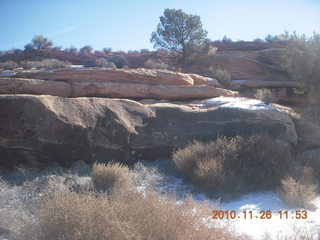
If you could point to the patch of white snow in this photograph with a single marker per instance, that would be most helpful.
(7, 73)
(238, 102)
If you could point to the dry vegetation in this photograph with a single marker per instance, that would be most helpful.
(299, 188)
(234, 165)
(296, 193)
(126, 214)
(119, 215)
(109, 176)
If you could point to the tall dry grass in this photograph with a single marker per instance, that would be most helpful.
(299, 188)
(125, 214)
(109, 176)
(234, 165)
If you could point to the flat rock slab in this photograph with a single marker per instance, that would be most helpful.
(40, 129)
(109, 89)
(34, 86)
(127, 90)
(142, 76)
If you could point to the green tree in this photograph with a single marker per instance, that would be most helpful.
(179, 32)
(86, 49)
(302, 61)
(39, 42)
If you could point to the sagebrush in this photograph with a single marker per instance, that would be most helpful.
(234, 165)
(109, 176)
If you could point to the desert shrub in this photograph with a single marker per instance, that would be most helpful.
(234, 165)
(212, 51)
(119, 61)
(258, 40)
(297, 193)
(266, 95)
(223, 76)
(107, 50)
(264, 161)
(31, 64)
(152, 64)
(41, 42)
(89, 63)
(44, 64)
(54, 63)
(101, 62)
(302, 59)
(144, 50)
(123, 215)
(109, 176)
(71, 49)
(226, 39)
(9, 65)
(315, 165)
(86, 49)
(204, 163)
(283, 38)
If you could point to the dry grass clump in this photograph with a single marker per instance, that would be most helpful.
(49, 64)
(125, 214)
(110, 175)
(223, 76)
(232, 165)
(153, 64)
(8, 65)
(298, 189)
(206, 164)
(315, 165)
(296, 193)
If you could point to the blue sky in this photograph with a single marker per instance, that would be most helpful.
(127, 24)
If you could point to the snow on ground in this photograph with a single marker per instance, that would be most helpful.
(238, 102)
(256, 228)
(161, 176)
(75, 66)
(274, 227)
(7, 73)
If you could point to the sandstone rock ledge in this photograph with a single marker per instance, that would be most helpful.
(111, 83)
(40, 129)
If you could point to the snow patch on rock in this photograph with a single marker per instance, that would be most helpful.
(237, 102)
(7, 73)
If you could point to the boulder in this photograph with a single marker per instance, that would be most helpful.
(142, 76)
(40, 129)
(200, 80)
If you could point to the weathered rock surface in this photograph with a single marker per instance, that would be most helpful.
(109, 89)
(41, 129)
(34, 86)
(169, 92)
(142, 76)
(200, 80)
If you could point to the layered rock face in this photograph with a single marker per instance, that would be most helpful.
(41, 129)
(142, 76)
(97, 82)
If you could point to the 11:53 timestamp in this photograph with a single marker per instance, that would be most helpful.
(296, 214)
